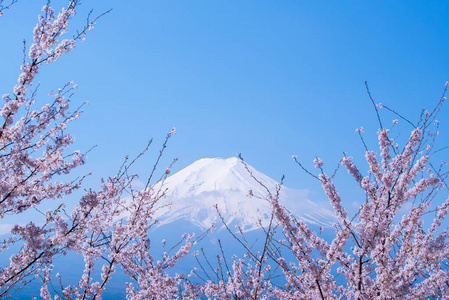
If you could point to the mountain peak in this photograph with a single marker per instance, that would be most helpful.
(197, 191)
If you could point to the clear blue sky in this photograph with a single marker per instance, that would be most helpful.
(268, 79)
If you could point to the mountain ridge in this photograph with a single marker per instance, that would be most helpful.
(196, 192)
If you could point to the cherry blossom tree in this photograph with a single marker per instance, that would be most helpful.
(382, 252)
(34, 148)
(108, 227)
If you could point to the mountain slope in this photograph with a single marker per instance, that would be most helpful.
(195, 193)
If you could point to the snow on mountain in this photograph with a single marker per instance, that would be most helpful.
(193, 193)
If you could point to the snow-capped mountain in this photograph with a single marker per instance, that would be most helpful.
(195, 193)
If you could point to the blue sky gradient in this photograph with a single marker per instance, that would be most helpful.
(268, 79)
